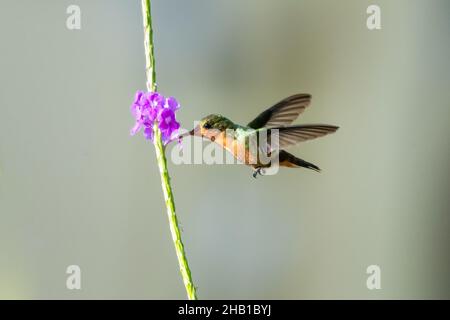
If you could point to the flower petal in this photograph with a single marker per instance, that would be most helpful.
(156, 100)
(136, 128)
(137, 96)
(165, 118)
(135, 111)
(148, 133)
(172, 104)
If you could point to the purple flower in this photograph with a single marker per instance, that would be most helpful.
(167, 123)
(144, 110)
(150, 107)
(136, 106)
(156, 100)
(172, 104)
(148, 133)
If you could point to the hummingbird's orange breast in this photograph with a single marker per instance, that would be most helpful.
(236, 148)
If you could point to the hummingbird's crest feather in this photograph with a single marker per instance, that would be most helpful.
(282, 113)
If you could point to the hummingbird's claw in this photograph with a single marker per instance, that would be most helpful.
(257, 171)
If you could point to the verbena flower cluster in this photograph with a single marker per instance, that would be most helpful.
(149, 108)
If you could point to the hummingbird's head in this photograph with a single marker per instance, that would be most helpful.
(211, 126)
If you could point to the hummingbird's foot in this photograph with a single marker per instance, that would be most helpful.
(257, 171)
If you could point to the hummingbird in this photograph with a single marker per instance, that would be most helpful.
(276, 119)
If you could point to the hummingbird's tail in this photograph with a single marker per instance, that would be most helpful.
(289, 160)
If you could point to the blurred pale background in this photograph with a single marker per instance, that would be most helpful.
(75, 188)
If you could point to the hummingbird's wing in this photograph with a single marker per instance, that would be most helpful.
(289, 136)
(282, 113)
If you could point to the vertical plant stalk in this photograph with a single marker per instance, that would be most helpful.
(161, 157)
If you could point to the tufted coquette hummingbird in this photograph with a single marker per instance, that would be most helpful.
(277, 121)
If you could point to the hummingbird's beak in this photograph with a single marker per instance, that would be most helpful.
(187, 133)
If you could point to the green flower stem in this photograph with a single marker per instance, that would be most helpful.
(161, 158)
(173, 221)
(148, 44)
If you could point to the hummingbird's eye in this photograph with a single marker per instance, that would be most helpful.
(207, 125)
